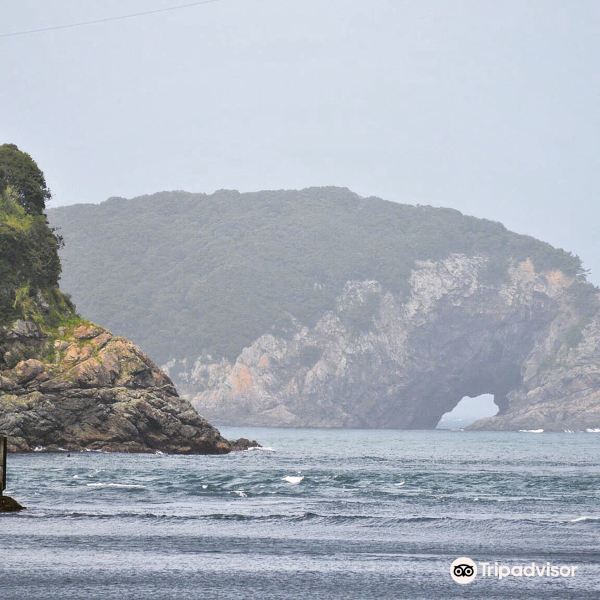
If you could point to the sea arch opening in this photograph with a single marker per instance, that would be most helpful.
(468, 410)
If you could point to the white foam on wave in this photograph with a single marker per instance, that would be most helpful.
(240, 493)
(259, 449)
(293, 479)
(400, 483)
(593, 430)
(531, 431)
(580, 519)
(39, 448)
(130, 486)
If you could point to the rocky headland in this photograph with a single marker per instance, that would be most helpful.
(378, 361)
(87, 389)
(66, 383)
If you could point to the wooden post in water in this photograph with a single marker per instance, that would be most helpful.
(3, 449)
(6, 504)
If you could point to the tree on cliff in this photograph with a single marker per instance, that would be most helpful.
(29, 261)
(20, 172)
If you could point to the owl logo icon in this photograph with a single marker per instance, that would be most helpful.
(463, 570)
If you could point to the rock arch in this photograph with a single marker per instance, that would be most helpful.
(456, 333)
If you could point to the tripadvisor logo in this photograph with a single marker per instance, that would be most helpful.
(463, 570)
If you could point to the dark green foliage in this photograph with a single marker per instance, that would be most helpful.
(29, 261)
(20, 172)
(186, 273)
(584, 298)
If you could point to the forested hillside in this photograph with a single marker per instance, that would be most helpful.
(29, 262)
(189, 274)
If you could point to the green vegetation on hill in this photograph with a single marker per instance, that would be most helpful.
(20, 172)
(29, 261)
(184, 274)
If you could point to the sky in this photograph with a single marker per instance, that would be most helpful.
(469, 410)
(489, 107)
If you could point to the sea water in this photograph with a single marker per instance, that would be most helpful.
(332, 514)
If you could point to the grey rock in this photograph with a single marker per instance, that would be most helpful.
(242, 444)
(23, 329)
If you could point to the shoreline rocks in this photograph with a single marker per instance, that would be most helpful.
(9, 505)
(243, 444)
(86, 389)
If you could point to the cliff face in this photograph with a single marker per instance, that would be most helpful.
(377, 361)
(86, 389)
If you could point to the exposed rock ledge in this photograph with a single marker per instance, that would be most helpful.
(87, 389)
(9, 505)
(532, 339)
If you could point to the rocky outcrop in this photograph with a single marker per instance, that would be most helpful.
(531, 338)
(560, 385)
(9, 505)
(83, 388)
(66, 383)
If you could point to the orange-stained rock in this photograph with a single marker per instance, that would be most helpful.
(91, 373)
(26, 370)
(241, 379)
(77, 353)
(99, 392)
(87, 332)
(102, 339)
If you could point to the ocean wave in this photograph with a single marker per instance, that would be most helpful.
(293, 479)
(531, 431)
(124, 486)
(378, 521)
(260, 449)
(232, 516)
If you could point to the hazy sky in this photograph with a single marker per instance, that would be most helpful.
(489, 107)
